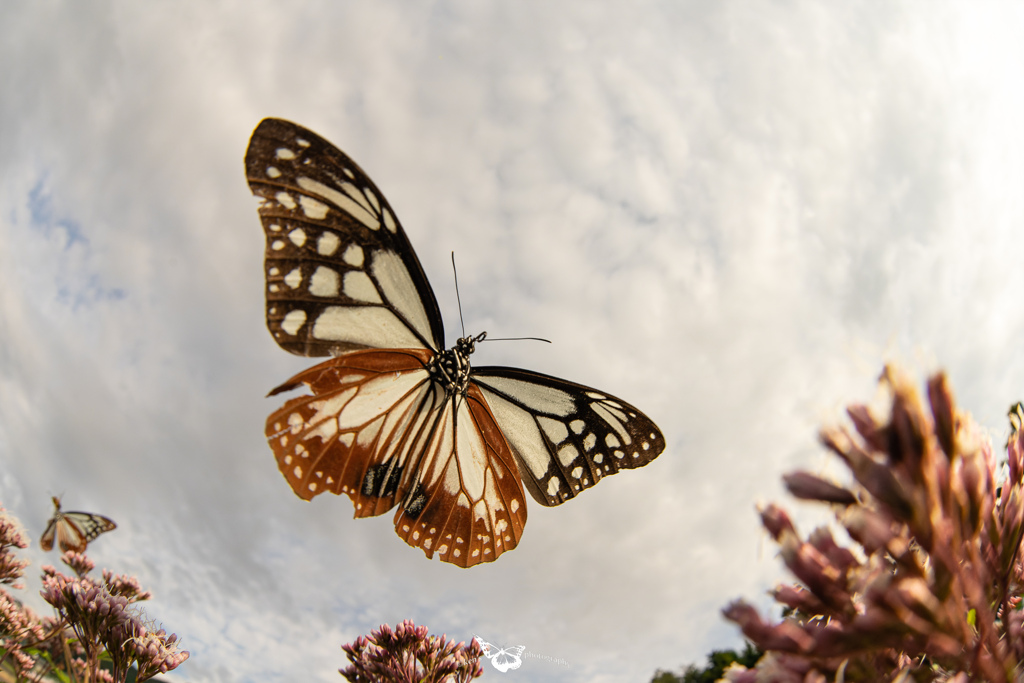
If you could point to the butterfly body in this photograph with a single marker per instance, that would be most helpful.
(394, 418)
(73, 530)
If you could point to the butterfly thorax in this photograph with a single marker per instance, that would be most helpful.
(451, 368)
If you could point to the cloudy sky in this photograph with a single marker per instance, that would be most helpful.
(730, 214)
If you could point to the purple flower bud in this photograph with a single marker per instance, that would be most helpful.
(811, 487)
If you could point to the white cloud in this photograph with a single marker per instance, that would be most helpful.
(730, 214)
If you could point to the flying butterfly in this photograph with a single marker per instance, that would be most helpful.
(73, 530)
(394, 419)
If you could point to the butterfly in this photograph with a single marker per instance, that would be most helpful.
(73, 530)
(394, 419)
(502, 659)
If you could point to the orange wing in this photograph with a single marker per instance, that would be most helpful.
(378, 429)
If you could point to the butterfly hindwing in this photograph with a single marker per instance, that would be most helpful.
(566, 436)
(365, 451)
(467, 503)
(378, 430)
(340, 272)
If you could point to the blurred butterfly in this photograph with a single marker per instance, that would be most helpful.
(394, 419)
(73, 530)
(502, 659)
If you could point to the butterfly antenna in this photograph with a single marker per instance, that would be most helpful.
(457, 298)
(516, 339)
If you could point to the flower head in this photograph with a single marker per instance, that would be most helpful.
(408, 654)
(933, 591)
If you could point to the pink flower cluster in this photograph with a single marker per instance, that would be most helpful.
(103, 617)
(932, 592)
(409, 655)
(11, 568)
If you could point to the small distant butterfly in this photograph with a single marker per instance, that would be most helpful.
(393, 418)
(73, 530)
(502, 659)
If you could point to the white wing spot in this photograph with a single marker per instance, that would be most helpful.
(273, 288)
(274, 228)
(415, 535)
(294, 278)
(427, 543)
(277, 245)
(618, 454)
(293, 321)
(553, 484)
(433, 531)
(577, 472)
(389, 221)
(353, 256)
(327, 244)
(287, 460)
(297, 236)
(312, 486)
(350, 174)
(274, 271)
(297, 472)
(359, 286)
(567, 453)
(514, 505)
(596, 395)
(302, 142)
(598, 457)
(312, 208)
(646, 446)
(272, 172)
(442, 549)
(285, 153)
(612, 441)
(555, 430)
(653, 436)
(325, 282)
(373, 200)
(343, 201)
(285, 200)
(589, 441)
(476, 552)
(456, 552)
(577, 426)
(405, 527)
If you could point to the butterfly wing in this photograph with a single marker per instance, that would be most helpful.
(565, 436)
(82, 528)
(379, 430)
(46, 541)
(340, 272)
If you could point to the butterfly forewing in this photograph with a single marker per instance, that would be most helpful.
(566, 437)
(340, 272)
